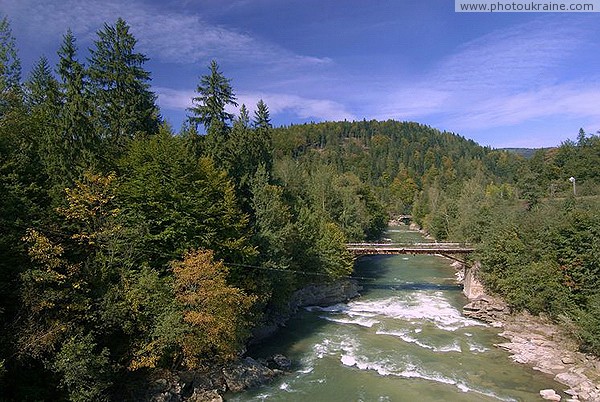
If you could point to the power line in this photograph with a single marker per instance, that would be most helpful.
(175, 255)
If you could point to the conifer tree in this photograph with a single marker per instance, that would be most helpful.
(120, 87)
(10, 68)
(75, 124)
(42, 99)
(262, 126)
(262, 119)
(41, 89)
(214, 94)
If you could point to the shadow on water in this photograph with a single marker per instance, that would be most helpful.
(286, 339)
(411, 286)
(372, 266)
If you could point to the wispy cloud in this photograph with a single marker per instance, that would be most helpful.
(501, 79)
(575, 100)
(511, 59)
(304, 108)
(168, 36)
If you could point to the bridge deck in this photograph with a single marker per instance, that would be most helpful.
(409, 248)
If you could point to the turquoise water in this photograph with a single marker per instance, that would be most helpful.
(404, 339)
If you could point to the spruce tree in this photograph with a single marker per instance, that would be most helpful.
(262, 126)
(41, 88)
(262, 119)
(214, 94)
(120, 87)
(75, 125)
(10, 69)
(42, 99)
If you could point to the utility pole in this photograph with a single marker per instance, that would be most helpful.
(572, 180)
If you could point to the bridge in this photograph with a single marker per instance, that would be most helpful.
(445, 249)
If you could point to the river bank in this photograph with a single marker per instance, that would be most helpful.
(211, 383)
(539, 343)
(534, 341)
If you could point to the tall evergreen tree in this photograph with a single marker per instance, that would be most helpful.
(42, 99)
(262, 126)
(41, 88)
(120, 87)
(214, 94)
(75, 123)
(262, 117)
(10, 68)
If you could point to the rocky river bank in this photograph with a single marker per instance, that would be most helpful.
(537, 342)
(211, 383)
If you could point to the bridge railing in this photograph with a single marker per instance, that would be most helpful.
(425, 245)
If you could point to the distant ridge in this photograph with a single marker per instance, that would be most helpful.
(524, 152)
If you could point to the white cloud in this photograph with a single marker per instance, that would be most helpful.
(168, 36)
(574, 100)
(302, 107)
(522, 56)
(174, 99)
(503, 79)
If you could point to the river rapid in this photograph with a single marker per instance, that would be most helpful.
(403, 339)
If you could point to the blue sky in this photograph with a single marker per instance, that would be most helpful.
(504, 79)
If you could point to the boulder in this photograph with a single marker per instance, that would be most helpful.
(247, 373)
(487, 309)
(549, 395)
(205, 396)
(279, 362)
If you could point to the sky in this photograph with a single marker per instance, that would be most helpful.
(502, 79)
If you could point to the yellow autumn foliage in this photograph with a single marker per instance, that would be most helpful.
(216, 314)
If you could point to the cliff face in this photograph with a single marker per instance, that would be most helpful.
(323, 295)
(473, 288)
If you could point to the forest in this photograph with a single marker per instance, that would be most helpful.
(128, 247)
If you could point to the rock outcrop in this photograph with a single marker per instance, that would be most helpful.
(488, 309)
(210, 385)
(325, 294)
(247, 373)
(536, 342)
(472, 286)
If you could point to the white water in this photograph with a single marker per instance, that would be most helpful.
(405, 339)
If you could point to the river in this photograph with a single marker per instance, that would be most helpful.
(404, 339)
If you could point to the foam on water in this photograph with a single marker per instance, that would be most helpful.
(306, 370)
(363, 322)
(412, 371)
(415, 307)
(406, 337)
(336, 308)
(350, 354)
(473, 347)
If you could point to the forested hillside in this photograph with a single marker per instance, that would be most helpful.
(127, 247)
(538, 232)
